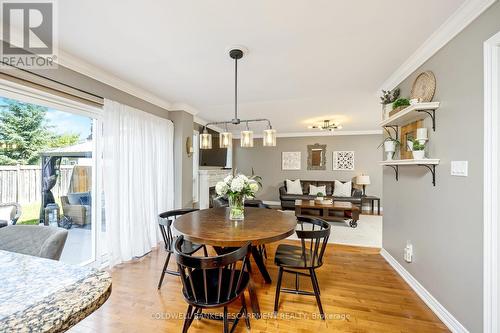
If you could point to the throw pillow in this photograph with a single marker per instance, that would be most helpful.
(342, 189)
(7, 213)
(314, 190)
(293, 187)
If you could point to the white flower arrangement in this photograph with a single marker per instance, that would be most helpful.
(238, 185)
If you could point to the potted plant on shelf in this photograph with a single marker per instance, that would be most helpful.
(388, 97)
(399, 104)
(236, 189)
(390, 145)
(418, 150)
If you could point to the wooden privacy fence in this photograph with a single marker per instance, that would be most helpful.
(22, 183)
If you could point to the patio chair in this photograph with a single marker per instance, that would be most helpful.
(9, 213)
(34, 240)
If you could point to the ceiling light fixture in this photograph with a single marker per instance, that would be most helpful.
(246, 139)
(327, 126)
(205, 139)
(225, 139)
(269, 139)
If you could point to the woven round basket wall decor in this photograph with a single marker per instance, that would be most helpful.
(424, 87)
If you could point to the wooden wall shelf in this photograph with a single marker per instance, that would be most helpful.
(429, 163)
(413, 113)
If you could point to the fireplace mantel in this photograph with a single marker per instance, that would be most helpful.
(209, 176)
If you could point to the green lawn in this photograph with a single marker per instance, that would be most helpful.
(31, 212)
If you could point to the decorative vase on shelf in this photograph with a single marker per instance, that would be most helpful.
(387, 108)
(236, 189)
(418, 154)
(390, 148)
(237, 207)
(409, 144)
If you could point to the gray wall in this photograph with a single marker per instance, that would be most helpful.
(183, 164)
(88, 84)
(266, 161)
(444, 223)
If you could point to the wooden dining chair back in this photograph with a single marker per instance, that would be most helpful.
(313, 234)
(313, 240)
(165, 221)
(210, 282)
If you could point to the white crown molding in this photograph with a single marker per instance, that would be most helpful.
(312, 134)
(446, 317)
(460, 19)
(184, 107)
(98, 74)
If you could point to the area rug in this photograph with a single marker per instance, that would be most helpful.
(368, 232)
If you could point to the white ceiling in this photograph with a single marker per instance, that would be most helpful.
(308, 59)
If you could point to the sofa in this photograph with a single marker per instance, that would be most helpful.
(288, 200)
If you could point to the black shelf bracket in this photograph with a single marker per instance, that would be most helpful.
(432, 114)
(396, 170)
(395, 128)
(432, 169)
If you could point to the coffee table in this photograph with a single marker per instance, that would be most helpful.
(328, 212)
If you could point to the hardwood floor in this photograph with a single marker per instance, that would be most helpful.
(359, 290)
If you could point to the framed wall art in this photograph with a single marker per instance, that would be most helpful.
(343, 160)
(290, 160)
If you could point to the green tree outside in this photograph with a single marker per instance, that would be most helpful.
(25, 132)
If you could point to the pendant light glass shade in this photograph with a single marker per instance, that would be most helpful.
(269, 138)
(205, 141)
(246, 139)
(225, 139)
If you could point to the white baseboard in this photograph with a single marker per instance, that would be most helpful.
(447, 318)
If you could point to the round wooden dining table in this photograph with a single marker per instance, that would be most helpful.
(260, 226)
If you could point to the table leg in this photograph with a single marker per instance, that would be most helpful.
(260, 264)
(378, 206)
(373, 204)
(254, 301)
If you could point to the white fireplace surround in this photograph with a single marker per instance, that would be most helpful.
(208, 177)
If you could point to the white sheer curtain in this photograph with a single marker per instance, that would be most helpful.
(137, 178)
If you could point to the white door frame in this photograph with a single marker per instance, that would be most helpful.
(491, 188)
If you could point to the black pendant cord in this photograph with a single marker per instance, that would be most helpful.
(236, 89)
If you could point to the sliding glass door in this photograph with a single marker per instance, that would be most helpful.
(49, 166)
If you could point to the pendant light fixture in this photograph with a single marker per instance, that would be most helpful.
(269, 138)
(205, 139)
(246, 140)
(225, 139)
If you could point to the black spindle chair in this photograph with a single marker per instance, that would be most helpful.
(165, 222)
(309, 256)
(211, 282)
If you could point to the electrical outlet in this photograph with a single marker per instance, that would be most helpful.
(460, 168)
(408, 252)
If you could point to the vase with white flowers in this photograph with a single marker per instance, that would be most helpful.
(236, 189)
